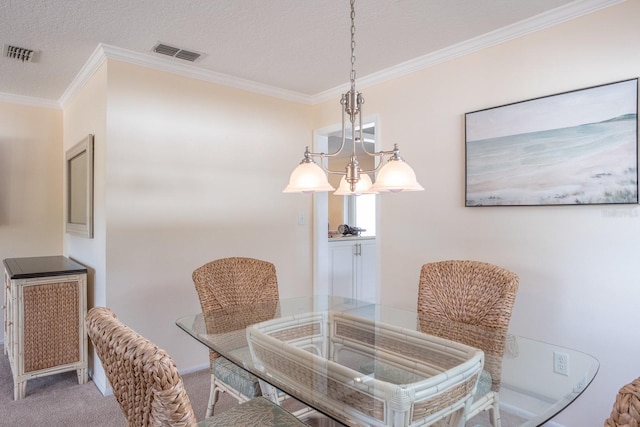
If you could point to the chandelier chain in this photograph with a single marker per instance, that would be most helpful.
(353, 44)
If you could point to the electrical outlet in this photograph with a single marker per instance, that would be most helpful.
(560, 363)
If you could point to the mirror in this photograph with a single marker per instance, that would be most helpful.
(355, 211)
(79, 188)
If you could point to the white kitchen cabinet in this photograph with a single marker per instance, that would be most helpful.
(353, 268)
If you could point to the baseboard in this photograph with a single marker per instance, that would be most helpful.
(105, 389)
(194, 369)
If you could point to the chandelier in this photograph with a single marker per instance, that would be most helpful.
(394, 175)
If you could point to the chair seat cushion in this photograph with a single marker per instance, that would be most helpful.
(256, 412)
(484, 385)
(235, 377)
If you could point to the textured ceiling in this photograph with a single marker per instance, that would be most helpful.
(297, 45)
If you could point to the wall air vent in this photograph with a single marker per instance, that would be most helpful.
(176, 52)
(19, 53)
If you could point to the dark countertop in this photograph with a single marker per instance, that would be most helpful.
(25, 268)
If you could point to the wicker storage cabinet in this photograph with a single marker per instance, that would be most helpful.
(45, 305)
(368, 373)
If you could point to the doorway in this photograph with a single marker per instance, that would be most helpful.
(330, 211)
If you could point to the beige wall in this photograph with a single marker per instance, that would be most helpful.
(31, 159)
(30, 180)
(188, 171)
(195, 171)
(578, 265)
(185, 172)
(86, 114)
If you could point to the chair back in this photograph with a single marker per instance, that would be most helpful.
(145, 380)
(469, 302)
(226, 283)
(235, 281)
(626, 408)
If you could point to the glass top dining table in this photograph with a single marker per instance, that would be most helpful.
(318, 360)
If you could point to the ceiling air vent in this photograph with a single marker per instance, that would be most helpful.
(19, 53)
(176, 52)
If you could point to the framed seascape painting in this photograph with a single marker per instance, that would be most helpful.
(573, 148)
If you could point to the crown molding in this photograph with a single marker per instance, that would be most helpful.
(94, 62)
(544, 20)
(104, 52)
(191, 71)
(29, 101)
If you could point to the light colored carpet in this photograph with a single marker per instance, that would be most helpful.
(59, 401)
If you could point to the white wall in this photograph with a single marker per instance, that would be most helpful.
(578, 265)
(31, 159)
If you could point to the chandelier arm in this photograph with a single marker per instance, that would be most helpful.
(332, 171)
(375, 153)
(371, 153)
(342, 144)
(322, 165)
(377, 168)
(380, 154)
(394, 155)
(384, 153)
(353, 140)
(323, 155)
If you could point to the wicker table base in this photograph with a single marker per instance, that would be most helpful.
(366, 372)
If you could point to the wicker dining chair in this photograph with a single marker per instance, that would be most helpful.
(221, 285)
(626, 408)
(149, 389)
(470, 302)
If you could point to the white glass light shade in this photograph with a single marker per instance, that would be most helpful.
(308, 178)
(396, 176)
(362, 187)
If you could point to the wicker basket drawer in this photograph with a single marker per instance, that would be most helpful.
(51, 330)
(44, 321)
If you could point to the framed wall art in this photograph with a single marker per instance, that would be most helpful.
(572, 148)
(79, 186)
